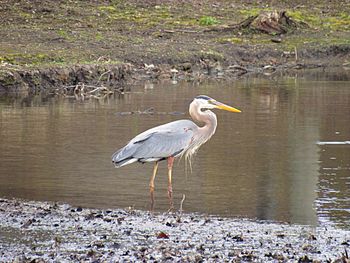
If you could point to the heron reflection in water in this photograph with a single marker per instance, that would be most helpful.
(171, 140)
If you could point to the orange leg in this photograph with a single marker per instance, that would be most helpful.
(151, 185)
(170, 186)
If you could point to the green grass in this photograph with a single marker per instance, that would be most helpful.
(108, 9)
(208, 21)
(340, 22)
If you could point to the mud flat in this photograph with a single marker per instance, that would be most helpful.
(44, 231)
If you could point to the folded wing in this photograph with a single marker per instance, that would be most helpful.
(157, 143)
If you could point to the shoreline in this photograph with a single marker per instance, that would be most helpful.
(48, 231)
(115, 77)
(45, 45)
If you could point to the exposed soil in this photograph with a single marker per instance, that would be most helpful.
(47, 232)
(42, 36)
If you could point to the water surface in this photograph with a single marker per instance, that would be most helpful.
(284, 158)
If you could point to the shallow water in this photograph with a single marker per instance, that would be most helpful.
(284, 158)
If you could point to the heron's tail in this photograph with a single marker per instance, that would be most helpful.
(119, 159)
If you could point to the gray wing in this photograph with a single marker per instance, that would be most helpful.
(157, 143)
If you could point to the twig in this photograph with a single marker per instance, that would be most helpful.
(107, 59)
(82, 88)
(238, 67)
(100, 89)
(83, 92)
(76, 89)
(245, 23)
(108, 71)
(181, 204)
(180, 31)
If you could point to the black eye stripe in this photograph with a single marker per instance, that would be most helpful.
(203, 97)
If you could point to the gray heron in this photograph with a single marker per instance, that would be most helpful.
(171, 140)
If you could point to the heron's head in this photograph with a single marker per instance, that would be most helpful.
(204, 102)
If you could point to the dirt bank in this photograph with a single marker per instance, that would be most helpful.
(42, 231)
(14, 79)
(45, 43)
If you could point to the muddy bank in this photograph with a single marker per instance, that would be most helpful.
(14, 79)
(115, 76)
(46, 44)
(43, 231)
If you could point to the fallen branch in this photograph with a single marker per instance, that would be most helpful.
(82, 92)
(238, 67)
(244, 24)
(180, 31)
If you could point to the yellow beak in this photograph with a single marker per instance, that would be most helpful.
(223, 106)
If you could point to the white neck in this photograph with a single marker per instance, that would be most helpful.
(207, 117)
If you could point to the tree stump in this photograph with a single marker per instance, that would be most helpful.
(274, 22)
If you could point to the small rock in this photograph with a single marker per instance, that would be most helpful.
(238, 238)
(186, 66)
(276, 40)
(162, 235)
(281, 235)
(304, 259)
(90, 253)
(115, 245)
(28, 223)
(108, 220)
(90, 216)
(170, 224)
(312, 237)
(98, 216)
(98, 244)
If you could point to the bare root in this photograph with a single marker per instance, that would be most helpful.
(83, 92)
